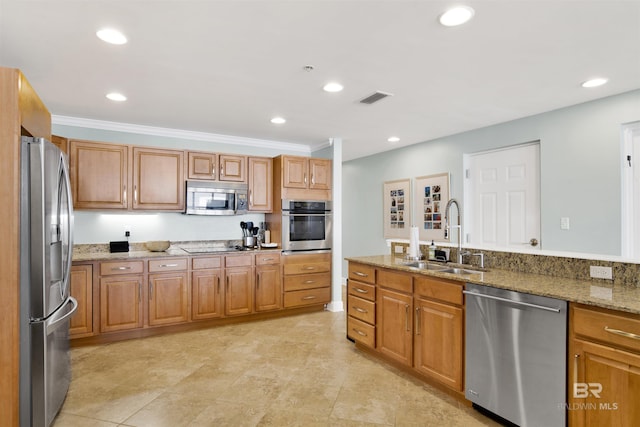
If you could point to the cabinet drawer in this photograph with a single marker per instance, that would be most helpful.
(361, 290)
(311, 267)
(394, 280)
(307, 297)
(439, 289)
(121, 267)
(362, 273)
(362, 309)
(611, 327)
(238, 261)
(206, 263)
(167, 264)
(307, 281)
(361, 332)
(267, 258)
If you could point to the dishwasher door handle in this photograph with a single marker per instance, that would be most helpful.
(541, 307)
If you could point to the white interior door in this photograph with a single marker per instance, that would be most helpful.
(502, 198)
(630, 190)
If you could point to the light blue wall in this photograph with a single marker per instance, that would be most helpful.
(105, 226)
(580, 175)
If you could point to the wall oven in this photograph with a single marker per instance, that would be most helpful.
(306, 225)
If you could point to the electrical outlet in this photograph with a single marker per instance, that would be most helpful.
(598, 272)
(564, 223)
(127, 230)
(399, 249)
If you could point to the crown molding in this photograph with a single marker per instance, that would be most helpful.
(179, 133)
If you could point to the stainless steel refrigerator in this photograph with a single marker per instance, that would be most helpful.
(46, 241)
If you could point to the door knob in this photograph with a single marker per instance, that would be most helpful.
(533, 242)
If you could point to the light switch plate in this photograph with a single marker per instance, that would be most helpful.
(564, 223)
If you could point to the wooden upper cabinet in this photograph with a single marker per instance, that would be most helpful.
(304, 172)
(202, 165)
(158, 179)
(260, 184)
(233, 168)
(295, 171)
(320, 170)
(61, 142)
(99, 175)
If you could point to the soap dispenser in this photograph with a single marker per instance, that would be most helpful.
(432, 250)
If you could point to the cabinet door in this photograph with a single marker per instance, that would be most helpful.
(604, 386)
(260, 184)
(238, 291)
(158, 179)
(294, 170)
(394, 314)
(206, 299)
(268, 288)
(233, 168)
(120, 303)
(438, 342)
(168, 298)
(320, 170)
(99, 174)
(82, 291)
(202, 165)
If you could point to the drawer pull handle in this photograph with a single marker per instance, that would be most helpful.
(268, 259)
(168, 265)
(359, 332)
(360, 310)
(120, 268)
(357, 273)
(308, 267)
(308, 282)
(622, 333)
(362, 291)
(309, 297)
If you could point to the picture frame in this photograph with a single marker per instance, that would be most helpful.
(397, 208)
(431, 194)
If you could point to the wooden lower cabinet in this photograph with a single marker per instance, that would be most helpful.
(81, 323)
(604, 367)
(307, 279)
(120, 303)
(206, 294)
(438, 351)
(268, 292)
(168, 298)
(238, 291)
(394, 325)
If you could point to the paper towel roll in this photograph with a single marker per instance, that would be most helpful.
(414, 243)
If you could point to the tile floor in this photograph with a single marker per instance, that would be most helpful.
(294, 371)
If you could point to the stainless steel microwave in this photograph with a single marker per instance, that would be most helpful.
(216, 198)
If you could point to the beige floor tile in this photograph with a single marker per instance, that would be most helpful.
(293, 371)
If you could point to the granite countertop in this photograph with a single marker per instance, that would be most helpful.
(100, 252)
(598, 293)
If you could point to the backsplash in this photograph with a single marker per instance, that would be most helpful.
(624, 274)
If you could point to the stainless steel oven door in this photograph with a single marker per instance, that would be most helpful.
(306, 231)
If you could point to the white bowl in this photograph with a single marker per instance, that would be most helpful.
(157, 245)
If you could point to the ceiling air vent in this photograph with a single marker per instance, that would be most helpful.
(375, 97)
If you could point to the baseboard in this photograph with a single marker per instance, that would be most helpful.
(335, 306)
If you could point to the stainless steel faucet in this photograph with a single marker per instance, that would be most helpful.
(447, 227)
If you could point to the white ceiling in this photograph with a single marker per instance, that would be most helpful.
(227, 67)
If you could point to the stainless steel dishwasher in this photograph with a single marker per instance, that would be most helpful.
(516, 355)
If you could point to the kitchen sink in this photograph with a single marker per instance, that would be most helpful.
(423, 265)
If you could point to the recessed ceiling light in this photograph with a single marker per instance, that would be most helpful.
(456, 16)
(114, 96)
(112, 36)
(278, 120)
(393, 139)
(333, 87)
(595, 82)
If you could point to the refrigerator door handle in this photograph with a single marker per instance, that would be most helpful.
(67, 188)
(54, 321)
